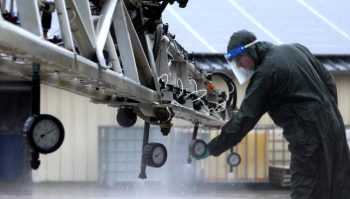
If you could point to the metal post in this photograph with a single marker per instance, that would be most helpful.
(2, 6)
(142, 174)
(36, 89)
(64, 24)
(28, 11)
(194, 137)
(35, 106)
(195, 131)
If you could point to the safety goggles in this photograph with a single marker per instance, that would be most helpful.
(238, 51)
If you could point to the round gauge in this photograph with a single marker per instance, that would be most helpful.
(154, 155)
(45, 133)
(197, 148)
(234, 159)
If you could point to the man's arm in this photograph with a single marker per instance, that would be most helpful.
(256, 102)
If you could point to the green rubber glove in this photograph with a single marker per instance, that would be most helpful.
(205, 155)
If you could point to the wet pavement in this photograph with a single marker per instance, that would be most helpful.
(140, 191)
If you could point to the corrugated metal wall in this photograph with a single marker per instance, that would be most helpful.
(76, 160)
(343, 88)
(254, 153)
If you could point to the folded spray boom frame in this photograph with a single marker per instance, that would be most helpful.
(118, 53)
(115, 52)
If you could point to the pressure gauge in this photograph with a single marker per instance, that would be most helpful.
(154, 155)
(45, 133)
(197, 148)
(234, 159)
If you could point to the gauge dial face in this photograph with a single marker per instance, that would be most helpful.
(158, 155)
(234, 159)
(199, 148)
(154, 155)
(46, 134)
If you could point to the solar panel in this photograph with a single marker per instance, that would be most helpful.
(206, 24)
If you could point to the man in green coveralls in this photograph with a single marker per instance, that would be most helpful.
(300, 96)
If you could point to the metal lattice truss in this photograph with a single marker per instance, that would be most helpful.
(103, 55)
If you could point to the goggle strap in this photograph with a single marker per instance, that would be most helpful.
(233, 53)
(250, 44)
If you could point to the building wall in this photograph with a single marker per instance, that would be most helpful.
(77, 159)
(343, 89)
(254, 153)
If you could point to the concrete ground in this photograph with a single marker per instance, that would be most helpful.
(140, 191)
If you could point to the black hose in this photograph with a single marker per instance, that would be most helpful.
(232, 100)
(154, 17)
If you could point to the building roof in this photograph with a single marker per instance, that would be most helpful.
(205, 26)
(336, 64)
(216, 62)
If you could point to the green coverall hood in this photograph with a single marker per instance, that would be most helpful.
(243, 37)
(239, 38)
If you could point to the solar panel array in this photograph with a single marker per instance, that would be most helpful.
(205, 26)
